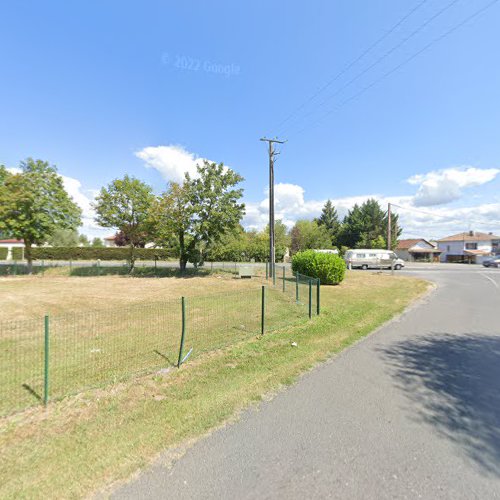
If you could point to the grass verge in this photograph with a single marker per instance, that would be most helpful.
(86, 442)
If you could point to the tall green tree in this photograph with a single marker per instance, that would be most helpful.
(330, 219)
(64, 238)
(365, 226)
(309, 235)
(97, 243)
(83, 240)
(34, 205)
(124, 205)
(198, 212)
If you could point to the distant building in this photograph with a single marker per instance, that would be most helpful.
(417, 250)
(472, 247)
(10, 244)
(109, 241)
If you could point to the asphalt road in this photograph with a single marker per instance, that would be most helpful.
(412, 411)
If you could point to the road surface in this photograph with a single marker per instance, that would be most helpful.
(413, 411)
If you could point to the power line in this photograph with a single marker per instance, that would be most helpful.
(384, 56)
(351, 64)
(399, 66)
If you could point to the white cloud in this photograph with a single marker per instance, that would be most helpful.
(171, 161)
(443, 186)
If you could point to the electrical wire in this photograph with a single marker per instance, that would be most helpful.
(351, 64)
(399, 66)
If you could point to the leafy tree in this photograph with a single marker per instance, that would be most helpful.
(124, 204)
(365, 226)
(34, 205)
(198, 212)
(330, 219)
(309, 235)
(83, 240)
(123, 240)
(97, 243)
(64, 238)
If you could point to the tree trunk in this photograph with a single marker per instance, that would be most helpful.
(182, 250)
(28, 255)
(132, 259)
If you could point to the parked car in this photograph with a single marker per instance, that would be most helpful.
(373, 258)
(492, 262)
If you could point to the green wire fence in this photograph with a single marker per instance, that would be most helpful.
(52, 357)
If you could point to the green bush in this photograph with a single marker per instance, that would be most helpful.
(3, 253)
(17, 253)
(95, 253)
(328, 267)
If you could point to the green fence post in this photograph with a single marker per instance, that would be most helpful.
(183, 331)
(70, 267)
(263, 311)
(46, 363)
(15, 267)
(318, 293)
(284, 273)
(310, 299)
(274, 275)
(267, 270)
(297, 288)
(43, 267)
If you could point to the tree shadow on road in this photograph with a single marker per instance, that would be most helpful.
(455, 383)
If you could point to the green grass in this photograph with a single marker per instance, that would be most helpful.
(105, 435)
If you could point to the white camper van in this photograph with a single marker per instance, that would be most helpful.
(366, 258)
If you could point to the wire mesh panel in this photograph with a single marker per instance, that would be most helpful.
(21, 364)
(88, 350)
(282, 310)
(218, 320)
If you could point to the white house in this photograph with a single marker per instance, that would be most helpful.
(416, 250)
(10, 244)
(472, 247)
(109, 241)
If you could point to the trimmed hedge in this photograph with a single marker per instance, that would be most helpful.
(17, 253)
(328, 267)
(3, 253)
(93, 253)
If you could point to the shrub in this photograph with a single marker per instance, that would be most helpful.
(3, 253)
(17, 253)
(328, 267)
(95, 253)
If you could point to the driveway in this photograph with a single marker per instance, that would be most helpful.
(413, 411)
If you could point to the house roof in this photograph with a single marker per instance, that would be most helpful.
(110, 238)
(471, 236)
(12, 241)
(407, 244)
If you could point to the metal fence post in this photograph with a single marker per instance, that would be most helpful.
(43, 267)
(46, 363)
(267, 270)
(284, 273)
(297, 287)
(263, 311)
(310, 299)
(274, 275)
(318, 293)
(183, 331)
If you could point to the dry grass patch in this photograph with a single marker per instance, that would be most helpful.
(28, 297)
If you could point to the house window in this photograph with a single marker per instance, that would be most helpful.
(471, 246)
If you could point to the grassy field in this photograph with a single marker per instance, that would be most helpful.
(106, 434)
(92, 347)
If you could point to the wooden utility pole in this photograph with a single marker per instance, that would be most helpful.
(272, 155)
(389, 224)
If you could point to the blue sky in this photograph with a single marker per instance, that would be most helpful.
(89, 85)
